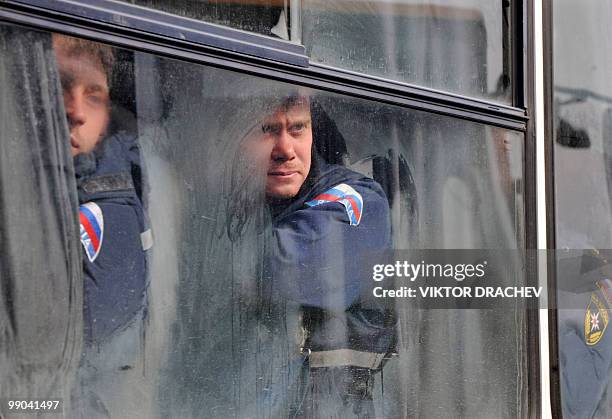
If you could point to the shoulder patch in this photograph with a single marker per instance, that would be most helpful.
(92, 229)
(596, 317)
(345, 195)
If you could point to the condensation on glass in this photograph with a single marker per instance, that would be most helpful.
(229, 326)
(41, 297)
(582, 111)
(457, 46)
(276, 18)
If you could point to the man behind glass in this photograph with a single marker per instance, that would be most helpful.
(325, 219)
(112, 223)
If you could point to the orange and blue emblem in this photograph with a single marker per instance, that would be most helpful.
(345, 195)
(92, 229)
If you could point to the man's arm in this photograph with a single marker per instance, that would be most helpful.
(585, 349)
(114, 267)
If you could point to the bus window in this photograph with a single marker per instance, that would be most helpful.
(276, 18)
(583, 204)
(458, 46)
(262, 199)
(40, 301)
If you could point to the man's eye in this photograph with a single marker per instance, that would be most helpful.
(297, 128)
(269, 129)
(97, 100)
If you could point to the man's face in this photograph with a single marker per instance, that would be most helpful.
(288, 135)
(86, 97)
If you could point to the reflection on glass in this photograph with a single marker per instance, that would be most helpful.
(263, 198)
(276, 18)
(458, 46)
(583, 185)
(40, 267)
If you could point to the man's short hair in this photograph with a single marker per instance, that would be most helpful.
(297, 99)
(99, 53)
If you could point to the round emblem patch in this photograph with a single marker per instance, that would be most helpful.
(595, 320)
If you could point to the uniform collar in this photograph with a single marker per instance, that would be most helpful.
(322, 177)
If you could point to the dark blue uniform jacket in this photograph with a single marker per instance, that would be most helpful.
(586, 351)
(112, 221)
(584, 301)
(319, 242)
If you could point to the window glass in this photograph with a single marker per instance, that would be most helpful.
(275, 18)
(223, 219)
(458, 46)
(40, 301)
(583, 181)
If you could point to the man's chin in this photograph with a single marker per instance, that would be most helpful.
(280, 194)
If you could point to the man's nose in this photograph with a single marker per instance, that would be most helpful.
(75, 108)
(283, 146)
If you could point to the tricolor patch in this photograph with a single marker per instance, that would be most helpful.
(345, 195)
(92, 229)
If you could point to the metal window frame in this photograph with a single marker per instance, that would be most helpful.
(148, 20)
(523, 64)
(119, 24)
(125, 25)
(551, 239)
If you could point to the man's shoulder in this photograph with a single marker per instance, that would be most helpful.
(336, 175)
(354, 192)
(111, 171)
(110, 209)
(118, 152)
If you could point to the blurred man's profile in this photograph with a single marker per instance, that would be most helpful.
(84, 69)
(113, 230)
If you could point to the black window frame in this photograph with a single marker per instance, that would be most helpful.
(551, 241)
(128, 26)
(551, 232)
(264, 56)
